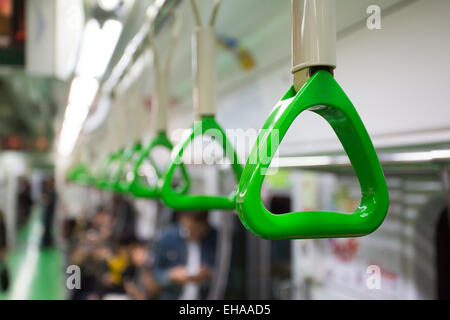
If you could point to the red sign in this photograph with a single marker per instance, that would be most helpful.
(344, 249)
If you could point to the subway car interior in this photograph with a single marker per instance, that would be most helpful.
(224, 150)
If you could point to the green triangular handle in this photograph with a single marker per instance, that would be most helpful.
(322, 95)
(121, 181)
(80, 174)
(103, 180)
(142, 190)
(206, 126)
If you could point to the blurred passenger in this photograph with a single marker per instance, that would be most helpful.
(125, 214)
(4, 275)
(184, 257)
(49, 204)
(103, 222)
(138, 280)
(92, 256)
(118, 262)
(24, 201)
(69, 229)
(113, 264)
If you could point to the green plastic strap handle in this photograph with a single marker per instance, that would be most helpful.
(122, 182)
(322, 95)
(114, 178)
(80, 174)
(115, 164)
(103, 181)
(100, 179)
(206, 126)
(142, 190)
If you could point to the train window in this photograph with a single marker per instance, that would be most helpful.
(334, 188)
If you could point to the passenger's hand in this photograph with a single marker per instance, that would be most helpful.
(179, 275)
(203, 275)
(107, 280)
(150, 284)
(133, 292)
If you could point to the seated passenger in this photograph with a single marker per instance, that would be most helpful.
(138, 281)
(184, 257)
(117, 264)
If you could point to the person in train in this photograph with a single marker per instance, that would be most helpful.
(184, 257)
(138, 280)
(89, 251)
(4, 274)
(24, 201)
(91, 255)
(49, 200)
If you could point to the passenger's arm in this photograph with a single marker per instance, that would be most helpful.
(160, 269)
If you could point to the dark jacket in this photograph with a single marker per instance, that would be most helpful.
(2, 234)
(171, 252)
(4, 276)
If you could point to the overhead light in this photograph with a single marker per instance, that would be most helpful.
(97, 47)
(82, 94)
(108, 5)
(440, 154)
(287, 162)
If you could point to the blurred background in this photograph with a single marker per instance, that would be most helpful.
(77, 84)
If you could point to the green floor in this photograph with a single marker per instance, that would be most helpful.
(36, 274)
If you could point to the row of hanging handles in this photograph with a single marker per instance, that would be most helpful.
(314, 89)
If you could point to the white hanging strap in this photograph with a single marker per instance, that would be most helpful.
(123, 126)
(130, 116)
(162, 97)
(139, 116)
(110, 139)
(204, 51)
(141, 121)
(161, 103)
(108, 146)
(313, 37)
(118, 127)
(174, 39)
(213, 19)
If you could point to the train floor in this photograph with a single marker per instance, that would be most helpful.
(35, 273)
